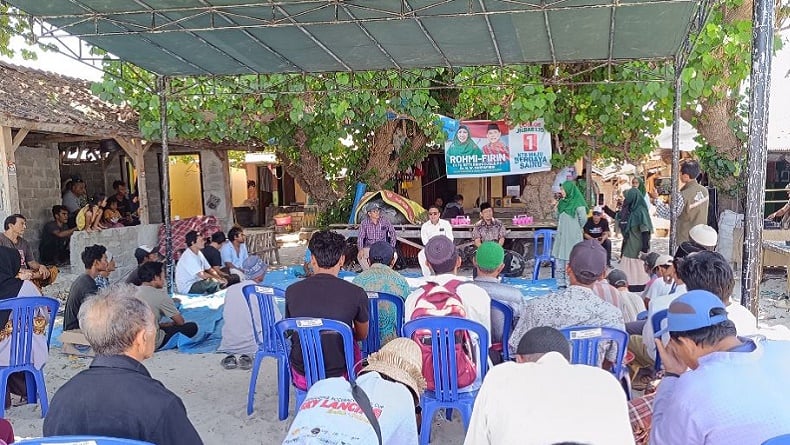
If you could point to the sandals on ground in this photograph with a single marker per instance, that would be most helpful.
(245, 362)
(230, 362)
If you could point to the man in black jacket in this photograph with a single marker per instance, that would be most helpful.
(116, 396)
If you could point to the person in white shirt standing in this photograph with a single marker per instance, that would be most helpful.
(194, 274)
(555, 401)
(435, 226)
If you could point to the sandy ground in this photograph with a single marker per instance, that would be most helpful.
(216, 398)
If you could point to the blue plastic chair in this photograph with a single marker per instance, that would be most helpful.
(446, 394)
(20, 359)
(269, 344)
(373, 342)
(779, 440)
(584, 349)
(544, 238)
(81, 440)
(507, 328)
(309, 331)
(656, 320)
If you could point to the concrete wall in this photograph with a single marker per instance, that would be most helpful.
(153, 184)
(121, 242)
(39, 188)
(216, 188)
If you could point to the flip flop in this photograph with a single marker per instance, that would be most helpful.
(230, 362)
(245, 362)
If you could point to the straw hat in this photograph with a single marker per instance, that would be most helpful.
(400, 360)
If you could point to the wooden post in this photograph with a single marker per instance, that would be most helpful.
(9, 185)
(135, 149)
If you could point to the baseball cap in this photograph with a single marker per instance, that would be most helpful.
(381, 252)
(617, 278)
(372, 206)
(704, 235)
(588, 259)
(143, 251)
(253, 267)
(691, 311)
(597, 210)
(663, 260)
(490, 255)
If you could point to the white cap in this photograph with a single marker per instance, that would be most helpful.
(704, 235)
(598, 209)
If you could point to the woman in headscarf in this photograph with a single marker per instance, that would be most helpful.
(636, 237)
(15, 283)
(571, 216)
(463, 145)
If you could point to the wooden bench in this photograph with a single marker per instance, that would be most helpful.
(75, 343)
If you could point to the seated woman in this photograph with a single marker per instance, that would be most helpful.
(111, 217)
(16, 283)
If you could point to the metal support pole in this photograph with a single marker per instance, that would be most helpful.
(673, 226)
(162, 87)
(588, 193)
(757, 152)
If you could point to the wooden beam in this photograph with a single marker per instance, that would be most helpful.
(133, 147)
(9, 186)
(50, 127)
(18, 138)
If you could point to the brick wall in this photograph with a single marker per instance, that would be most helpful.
(121, 242)
(39, 188)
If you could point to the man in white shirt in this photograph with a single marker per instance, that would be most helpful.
(543, 399)
(392, 381)
(444, 261)
(234, 252)
(194, 274)
(433, 227)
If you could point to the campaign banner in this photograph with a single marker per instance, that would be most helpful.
(491, 148)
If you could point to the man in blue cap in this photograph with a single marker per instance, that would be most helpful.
(718, 388)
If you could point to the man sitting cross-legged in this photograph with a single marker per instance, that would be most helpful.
(557, 402)
(194, 275)
(116, 395)
(151, 290)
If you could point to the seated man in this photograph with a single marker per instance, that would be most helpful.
(14, 227)
(662, 276)
(435, 226)
(116, 395)
(489, 261)
(372, 229)
(55, 237)
(393, 385)
(701, 237)
(576, 305)
(630, 303)
(193, 273)
(718, 388)
(237, 334)
(95, 260)
(597, 228)
(234, 252)
(545, 386)
(214, 257)
(381, 278)
(488, 228)
(324, 295)
(151, 290)
(454, 208)
(143, 254)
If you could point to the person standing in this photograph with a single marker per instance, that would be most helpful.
(435, 226)
(636, 237)
(690, 203)
(372, 229)
(55, 237)
(597, 228)
(571, 216)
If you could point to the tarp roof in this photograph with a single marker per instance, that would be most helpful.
(225, 37)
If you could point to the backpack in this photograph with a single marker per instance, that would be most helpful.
(437, 300)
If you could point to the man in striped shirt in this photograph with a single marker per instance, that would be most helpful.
(373, 229)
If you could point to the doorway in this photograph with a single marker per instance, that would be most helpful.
(186, 186)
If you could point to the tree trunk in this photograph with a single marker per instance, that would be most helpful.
(308, 173)
(382, 164)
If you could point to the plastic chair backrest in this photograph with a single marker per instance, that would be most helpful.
(544, 238)
(81, 440)
(443, 341)
(264, 296)
(309, 331)
(23, 310)
(655, 321)
(373, 342)
(784, 439)
(585, 342)
(507, 328)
